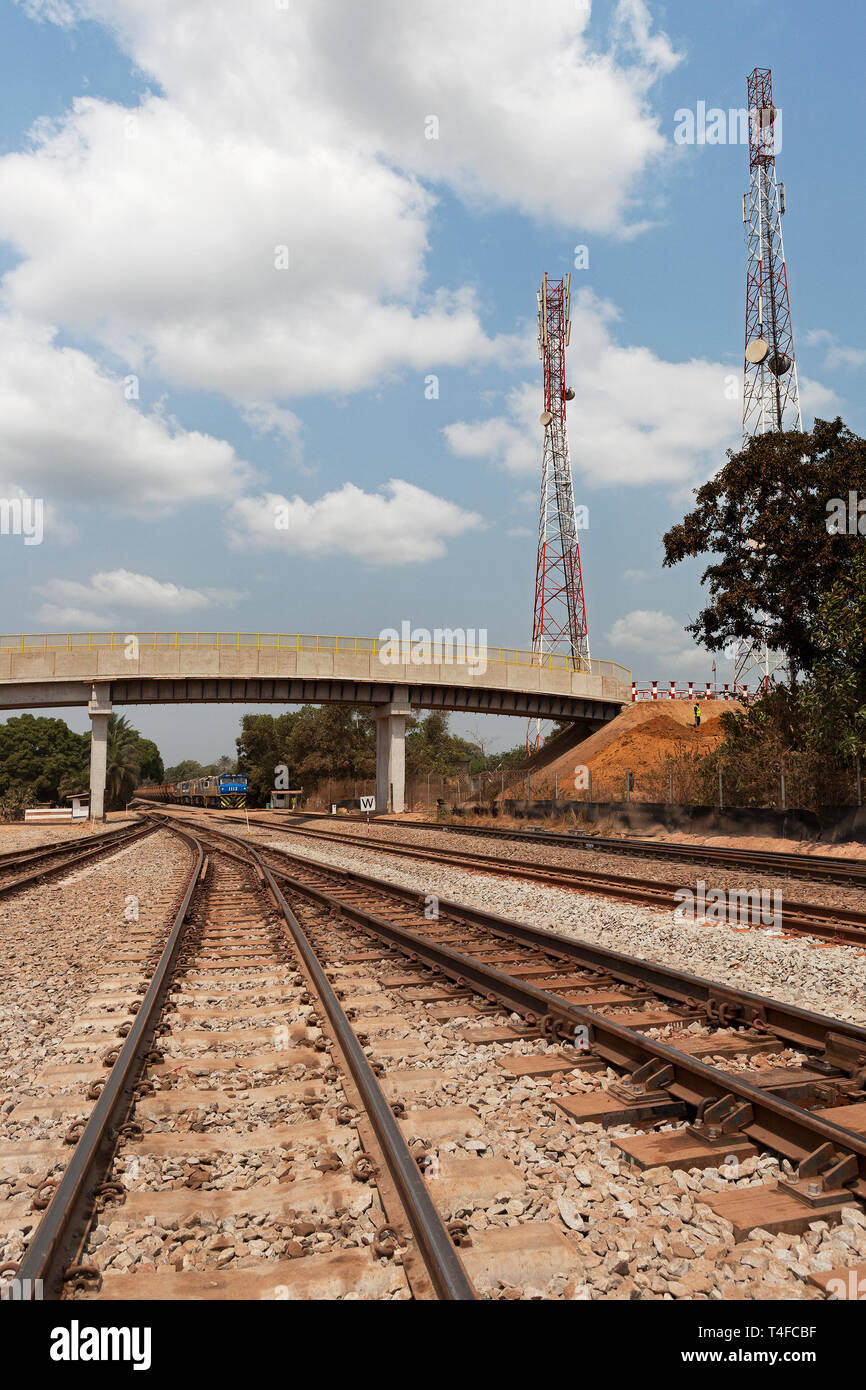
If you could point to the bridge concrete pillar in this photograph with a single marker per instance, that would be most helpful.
(99, 709)
(391, 752)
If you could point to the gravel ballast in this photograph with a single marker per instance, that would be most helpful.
(829, 980)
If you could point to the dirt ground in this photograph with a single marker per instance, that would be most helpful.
(638, 741)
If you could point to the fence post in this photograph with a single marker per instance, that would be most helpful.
(628, 786)
(589, 770)
(670, 786)
(528, 790)
(784, 799)
(555, 787)
(859, 783)
(721, 793)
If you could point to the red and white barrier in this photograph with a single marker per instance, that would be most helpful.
(691, 692)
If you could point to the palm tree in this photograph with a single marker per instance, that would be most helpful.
(122, 772)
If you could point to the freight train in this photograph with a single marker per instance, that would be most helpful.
(226, 791)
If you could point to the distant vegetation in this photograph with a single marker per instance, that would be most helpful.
(316, 743)
(181, 772)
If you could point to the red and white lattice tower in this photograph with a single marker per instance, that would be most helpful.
(559, 624)
(771, 391)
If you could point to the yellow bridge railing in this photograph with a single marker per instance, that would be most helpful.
(448, 652)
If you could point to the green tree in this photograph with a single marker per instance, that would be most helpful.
(123, 770)
(431, 747)
(767, 516)
(262, 748)
(38, 756)
(182, 771)
(834, 700)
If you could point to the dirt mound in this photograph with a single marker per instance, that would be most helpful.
(640, 741)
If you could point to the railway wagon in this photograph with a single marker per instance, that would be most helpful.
(225, 791)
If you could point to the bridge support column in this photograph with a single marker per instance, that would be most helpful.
(391, 752)
(99, 710)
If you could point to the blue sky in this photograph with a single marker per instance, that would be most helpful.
(162, 382)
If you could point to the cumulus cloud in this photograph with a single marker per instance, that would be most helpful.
(636, 418)
(70, 434)
(107, 592)
(399, 525)
(836, 354)
(260, 226)
(650, 632)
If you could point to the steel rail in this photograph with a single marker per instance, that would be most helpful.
(777, 1123)
(39, 852)
(69, 1211)
(637, 889)
(76, 854)
(437, 1249)
(836, 923)
(786, 1021)
(805, 866)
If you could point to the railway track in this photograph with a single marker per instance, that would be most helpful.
(24, 868)
(262, 1132)
(808, 919)
(235, 972)
(784, 1079)
(822, 868)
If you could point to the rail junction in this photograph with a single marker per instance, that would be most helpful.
(285, 1018)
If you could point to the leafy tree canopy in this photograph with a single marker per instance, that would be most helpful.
(39, 755)
(317, 742)
(42, 760)
(765, 516)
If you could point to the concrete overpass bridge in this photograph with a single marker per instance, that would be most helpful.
(103, 670)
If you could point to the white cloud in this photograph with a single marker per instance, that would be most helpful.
(55, 526)
(650, 632)
(636, 418)
(302, 127)
(836, 354)
(511, 442)
(71, 436)
(125, 591)
(399, 525)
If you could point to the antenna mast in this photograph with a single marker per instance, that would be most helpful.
(771, 391)
(559, 622)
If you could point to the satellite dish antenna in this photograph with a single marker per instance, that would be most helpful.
(569, 394)
(779, 363)
(757, 351)
(545, 417)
